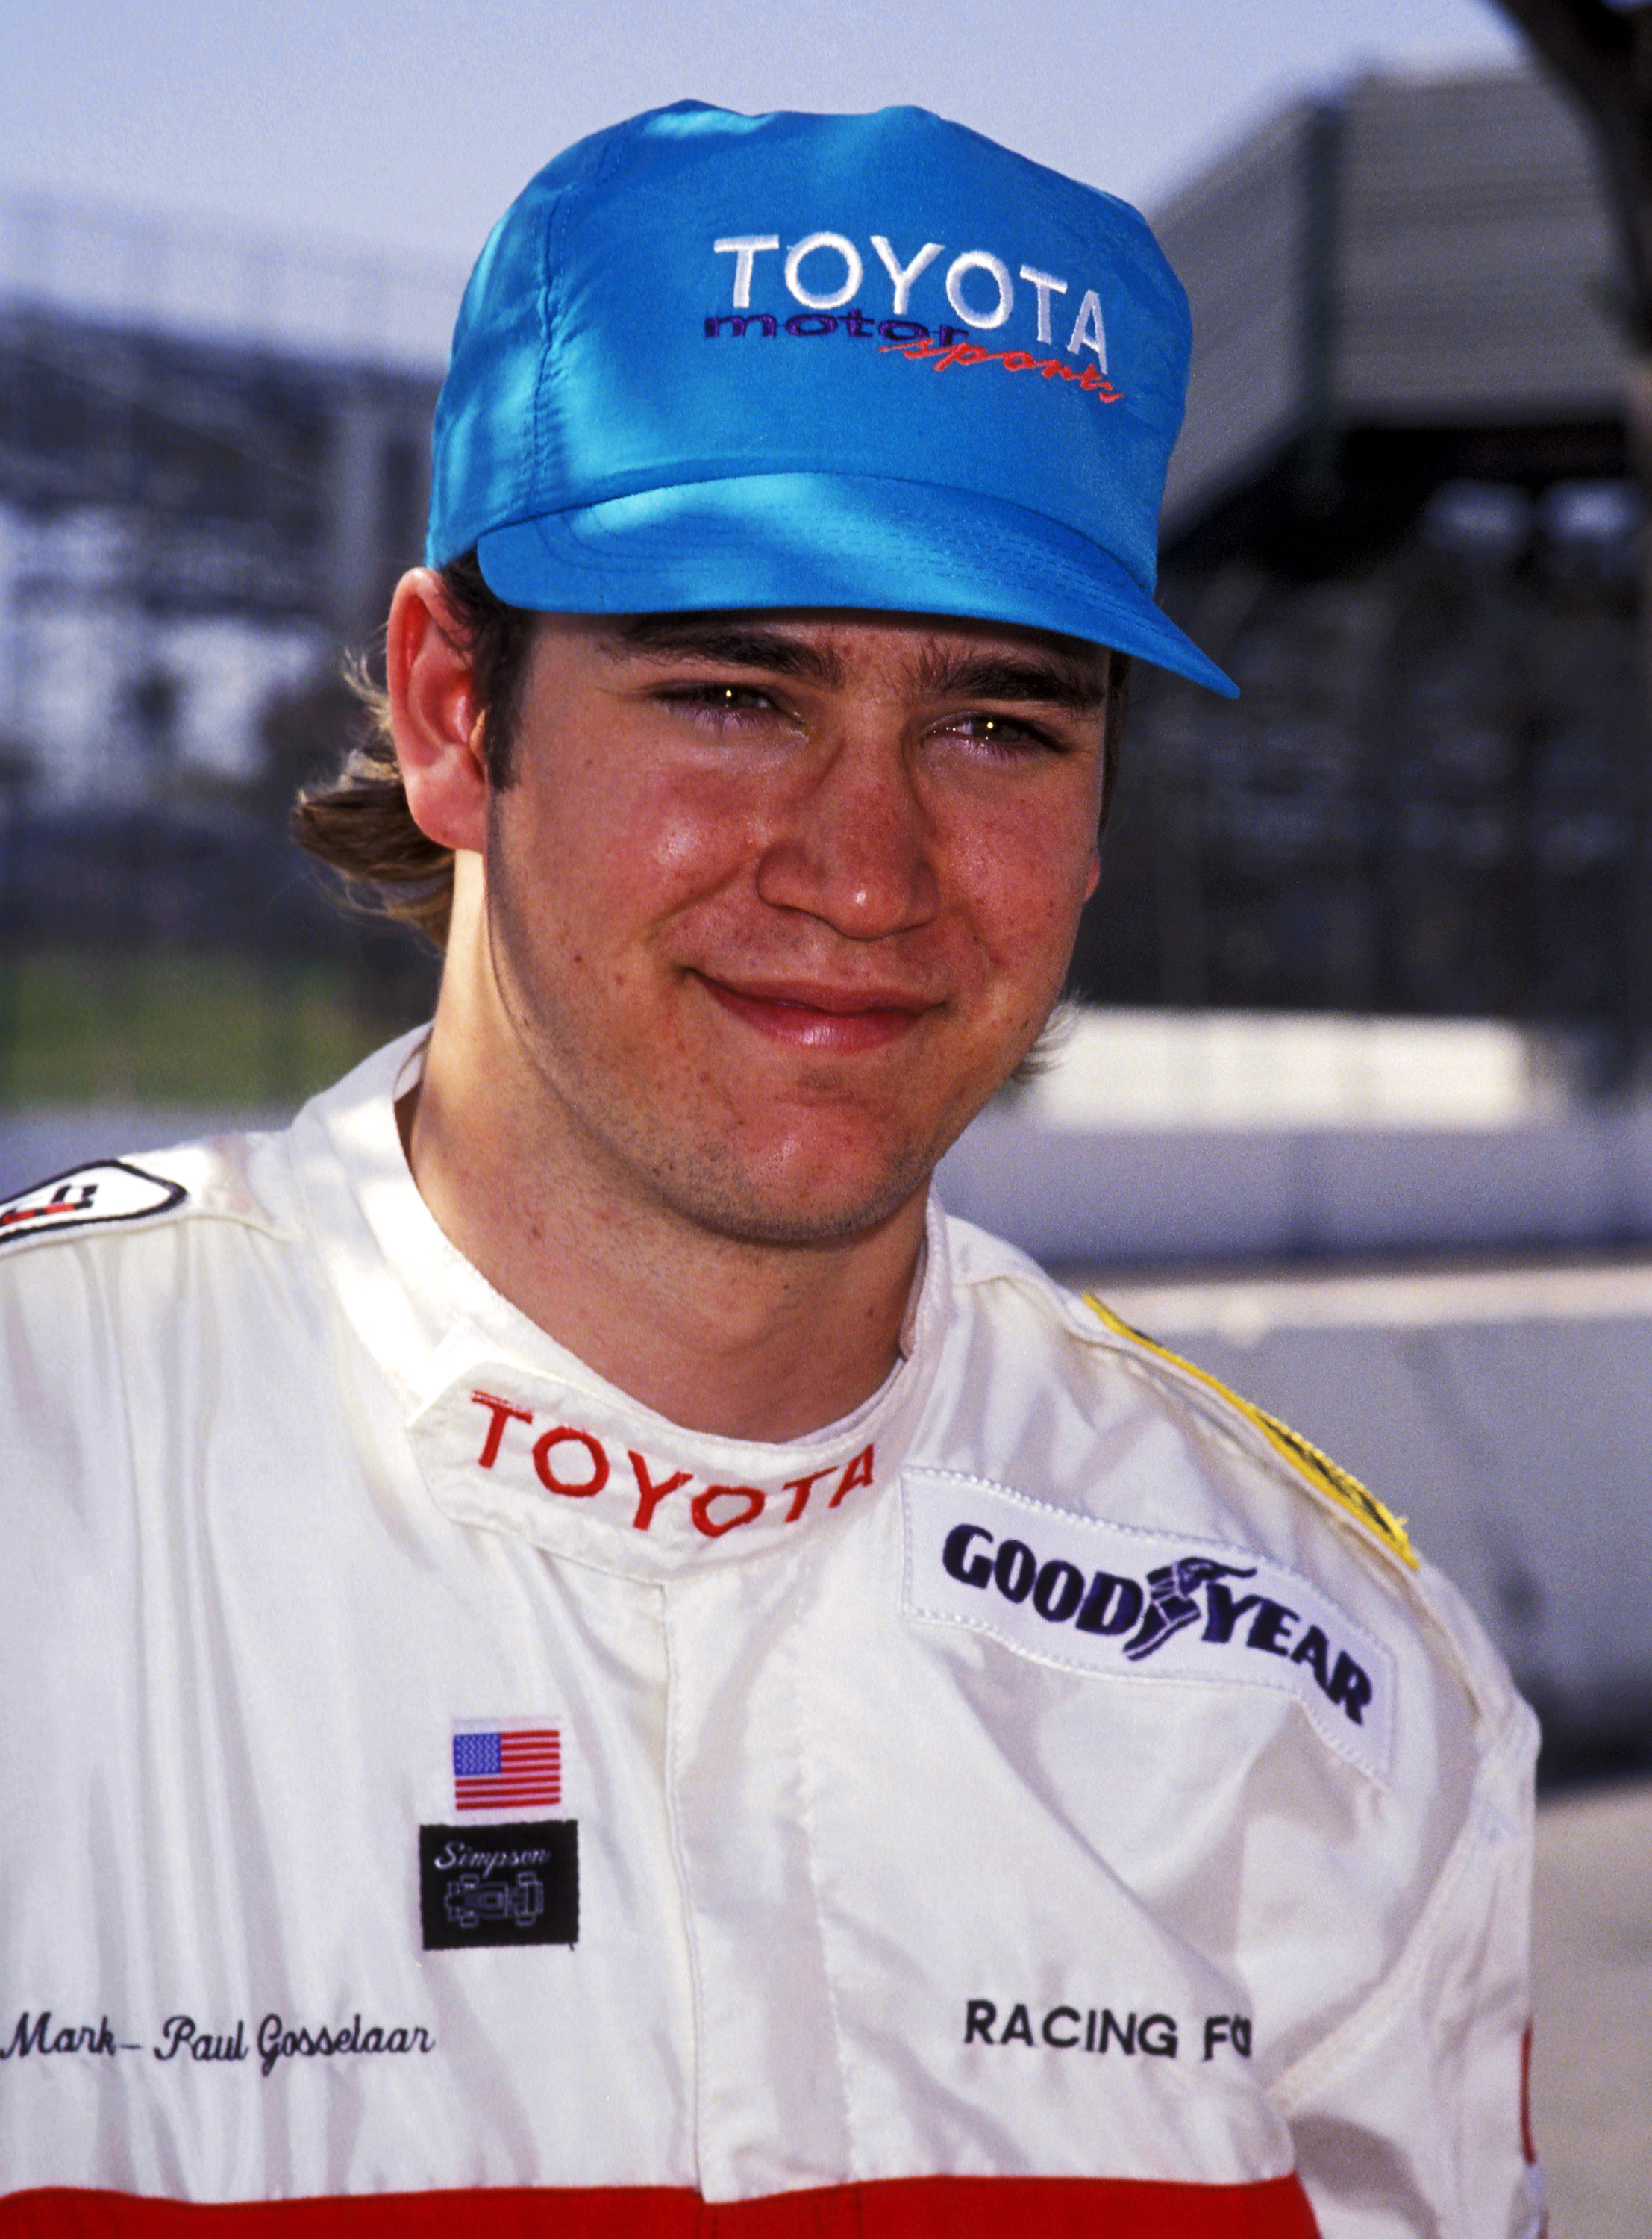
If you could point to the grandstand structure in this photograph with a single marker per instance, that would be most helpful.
(213, 463)
(1410, 281)
(1402, 516)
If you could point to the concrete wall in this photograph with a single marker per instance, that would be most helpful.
(1134, 1198)
(37, 1145)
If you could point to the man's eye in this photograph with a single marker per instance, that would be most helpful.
(1002, 733)
(717, 700)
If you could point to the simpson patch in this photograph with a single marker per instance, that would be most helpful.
(88, 1198)
(1117, 1602)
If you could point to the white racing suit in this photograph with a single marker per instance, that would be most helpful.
(440, 1795)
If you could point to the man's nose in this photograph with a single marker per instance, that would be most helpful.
(854, 844)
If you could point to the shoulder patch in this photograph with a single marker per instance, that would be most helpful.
(90, 1197)
(1329, 1479)
(1114, 1602)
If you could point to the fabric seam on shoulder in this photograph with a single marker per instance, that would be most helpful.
(1327, 1478)
(181, 1202)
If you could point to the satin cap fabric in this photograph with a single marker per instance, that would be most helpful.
(708, 361)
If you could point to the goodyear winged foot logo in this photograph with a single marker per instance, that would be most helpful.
(1111, 1601)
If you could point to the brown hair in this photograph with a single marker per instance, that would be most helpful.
(359, 824)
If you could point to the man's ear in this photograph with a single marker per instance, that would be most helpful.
(435, 714)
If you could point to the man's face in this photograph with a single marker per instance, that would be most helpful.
(776, 901)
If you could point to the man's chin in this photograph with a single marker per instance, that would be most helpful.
(817, 1211)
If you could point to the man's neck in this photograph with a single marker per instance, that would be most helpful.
(744, 1340)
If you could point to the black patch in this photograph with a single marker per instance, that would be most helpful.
(514, 1883)
(107, 1191)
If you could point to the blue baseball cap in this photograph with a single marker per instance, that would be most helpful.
(708, 361)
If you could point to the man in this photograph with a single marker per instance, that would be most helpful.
(585, 1659)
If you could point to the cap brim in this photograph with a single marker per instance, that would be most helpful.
(804, 539)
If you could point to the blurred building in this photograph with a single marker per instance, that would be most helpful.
(1401, 516)
(213, 463)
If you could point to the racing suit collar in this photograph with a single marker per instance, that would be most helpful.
(512, 1432)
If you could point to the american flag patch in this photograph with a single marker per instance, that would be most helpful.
(498, 1767)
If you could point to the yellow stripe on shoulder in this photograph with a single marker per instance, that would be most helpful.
(1327, 1477)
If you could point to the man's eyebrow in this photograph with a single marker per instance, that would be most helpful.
(1052, 681)
(724, 643)
(1054, 678)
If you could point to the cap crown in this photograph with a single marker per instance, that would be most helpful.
(694, 296)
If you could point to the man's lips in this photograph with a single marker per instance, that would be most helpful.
(812, 1016)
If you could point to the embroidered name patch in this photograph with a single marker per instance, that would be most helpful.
(1109, 1600)
(513, 1882)
(110, 1192)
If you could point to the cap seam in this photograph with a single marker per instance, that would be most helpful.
(545, 467)
(537, 474)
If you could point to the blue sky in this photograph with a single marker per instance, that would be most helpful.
(406, 129)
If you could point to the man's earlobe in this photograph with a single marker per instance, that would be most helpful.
(435, 712)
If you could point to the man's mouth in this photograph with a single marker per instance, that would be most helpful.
(817, 1016)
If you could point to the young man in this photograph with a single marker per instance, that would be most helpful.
(582, 1659)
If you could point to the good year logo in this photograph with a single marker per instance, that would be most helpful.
(1114, 1600)
(1154, 1609)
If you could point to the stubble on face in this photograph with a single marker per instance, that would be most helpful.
(704, 1181)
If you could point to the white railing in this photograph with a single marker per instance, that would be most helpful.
(136, 268)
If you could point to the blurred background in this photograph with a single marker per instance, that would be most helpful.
(1355, 1103)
